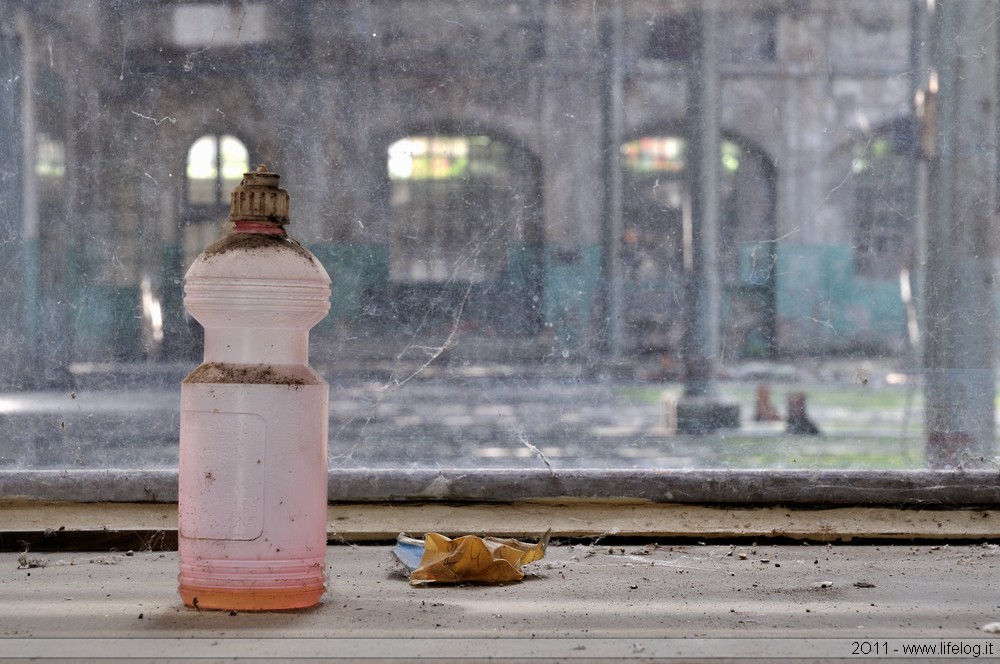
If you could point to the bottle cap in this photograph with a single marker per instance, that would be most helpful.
(258, 204)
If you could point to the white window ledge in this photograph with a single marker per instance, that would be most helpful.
(583, 601)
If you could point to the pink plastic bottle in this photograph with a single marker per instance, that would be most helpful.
(253, 438)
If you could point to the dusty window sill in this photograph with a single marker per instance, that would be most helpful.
(625, 578)
(581, 601)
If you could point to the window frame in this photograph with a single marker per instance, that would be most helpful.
(803, 488)
(767, 486)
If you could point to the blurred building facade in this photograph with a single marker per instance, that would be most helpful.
(453, 165)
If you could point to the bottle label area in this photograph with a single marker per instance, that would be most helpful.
(222, 483)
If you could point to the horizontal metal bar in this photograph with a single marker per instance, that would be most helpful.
(906, 488)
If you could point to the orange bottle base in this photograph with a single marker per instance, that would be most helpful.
(265, 599)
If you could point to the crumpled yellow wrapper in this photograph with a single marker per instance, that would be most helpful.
(467, 559)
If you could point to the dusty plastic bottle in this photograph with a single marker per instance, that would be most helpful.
(253, 437)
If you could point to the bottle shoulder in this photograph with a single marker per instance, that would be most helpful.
(258, 256)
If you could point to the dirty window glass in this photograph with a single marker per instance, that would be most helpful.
(659, 234)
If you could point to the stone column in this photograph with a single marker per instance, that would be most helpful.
(699, 410)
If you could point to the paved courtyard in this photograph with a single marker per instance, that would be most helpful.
(488, 416)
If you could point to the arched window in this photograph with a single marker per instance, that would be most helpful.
(447, 197)
(656, 242)
(656, 207)
(883, 220)
(215, 165)
(466, 232)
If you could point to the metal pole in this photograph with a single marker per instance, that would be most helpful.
(960, 147)
(12, 175)
(29, 202)
(918, 175)
(614, 224)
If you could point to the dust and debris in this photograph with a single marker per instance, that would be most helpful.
(538, 453)
(24, 562)
(253, 374)
(257, 242)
